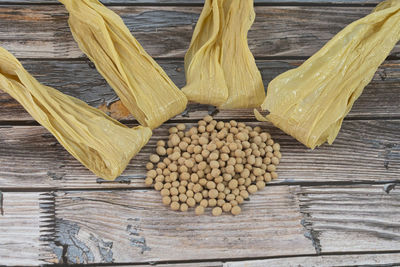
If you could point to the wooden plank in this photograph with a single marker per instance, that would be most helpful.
(165, 31)
(25, 225)
(391, 259)
(133, 226)
(365, 151)
(191, 2)
(277, 221)
(380, 98)
(352, 218)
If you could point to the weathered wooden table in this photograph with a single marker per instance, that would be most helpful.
(337, 205)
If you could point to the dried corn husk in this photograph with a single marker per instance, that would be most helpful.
(142, 85)
(311, 101)
(99, 142)
(220, 68)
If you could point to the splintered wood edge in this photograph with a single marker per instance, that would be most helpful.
(25, 228)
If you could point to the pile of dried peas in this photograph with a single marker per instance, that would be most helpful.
(216, 164)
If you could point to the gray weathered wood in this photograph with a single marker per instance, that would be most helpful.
(352, 218)
(365, 151)
(24, 226)
(42, 31)
(324, 261)
(380, 98)
(133, 226)
(277, 221)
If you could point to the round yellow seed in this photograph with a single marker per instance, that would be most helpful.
(213, 193)
(252, 189)
(236, 210)
(184, 207)
(166, 200)
(175, 206)
(204, 203)
(164, 192)
(212, 202)
(161, 150)
(217, 211)
(182, 198)
(191, 202)
(260, 185)
(199, 210)
(149, 165)
(158, 186)
(233, 184)
(154, 158)
(173, 191)
(148, 181)
(210, 185)
(244, 194)
(220, 202)
(198, 197)
(227, 207)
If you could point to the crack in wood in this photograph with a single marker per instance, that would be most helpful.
(1, 204)
(306, 222)
(55, 175)
(310, 233)
(119, 180)
(74, 250)
(389, 187)
(104, 247)
(135, 239)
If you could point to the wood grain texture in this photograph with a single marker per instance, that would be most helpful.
(324, 261)
(380, 98)
(24, 226)
(133, 226)
(165, 31)
(352, 218)
(365, 151)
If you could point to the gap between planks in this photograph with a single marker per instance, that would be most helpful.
(379, 100)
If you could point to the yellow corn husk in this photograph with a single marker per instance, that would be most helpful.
(142, 85)
(311, 101)
(99, 142)
(220, 68)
